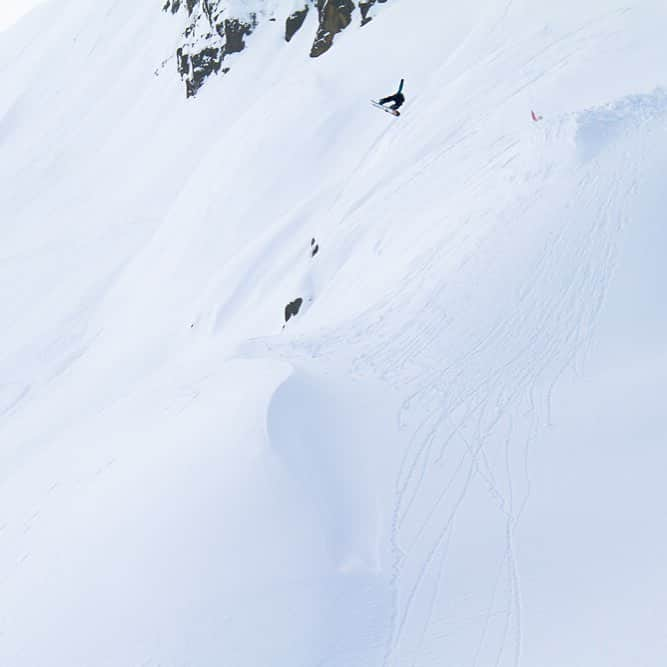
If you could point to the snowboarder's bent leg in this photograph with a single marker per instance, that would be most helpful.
(398, 100)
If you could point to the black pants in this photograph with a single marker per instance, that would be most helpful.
(397, 100)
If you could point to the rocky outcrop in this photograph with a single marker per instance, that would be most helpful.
(294, 22)
(215, 29)
(365, 6)
(292, 308)
(211, 34)
(335, 15)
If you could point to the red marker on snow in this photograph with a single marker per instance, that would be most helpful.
(535, 116)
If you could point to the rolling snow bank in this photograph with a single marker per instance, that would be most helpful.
(450, 455)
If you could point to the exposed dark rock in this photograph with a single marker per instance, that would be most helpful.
(173, 5)
(182, 63)
(365, 7)
(314, 248)
(214, 30)
(294, 22)
(210, 37)
(234, 32)
(292, 309)
(335, 15)
(195, 69)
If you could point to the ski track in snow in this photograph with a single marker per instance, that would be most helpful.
(462, 409)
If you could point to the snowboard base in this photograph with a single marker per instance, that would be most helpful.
(393, 112)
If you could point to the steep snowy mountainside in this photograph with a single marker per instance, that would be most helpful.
(450, 454)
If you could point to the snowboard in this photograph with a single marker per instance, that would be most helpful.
(393, 112)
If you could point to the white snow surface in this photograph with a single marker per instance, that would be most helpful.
(12, 10)
(454, 455)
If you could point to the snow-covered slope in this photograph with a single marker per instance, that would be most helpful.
(451, 455)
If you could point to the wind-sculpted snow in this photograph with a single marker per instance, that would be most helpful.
(602, 129)
(478, 384)
(452, 453)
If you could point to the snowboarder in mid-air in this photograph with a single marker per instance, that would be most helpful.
(397, 100)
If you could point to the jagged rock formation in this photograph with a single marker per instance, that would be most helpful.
(335, 15)
(365, 8)
(212, 33)
(294, 22)
(218, 28)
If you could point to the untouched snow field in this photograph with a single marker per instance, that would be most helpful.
(12, 10)
(454, 455)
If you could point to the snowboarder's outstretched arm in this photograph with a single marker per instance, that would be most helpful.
(400, 88)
